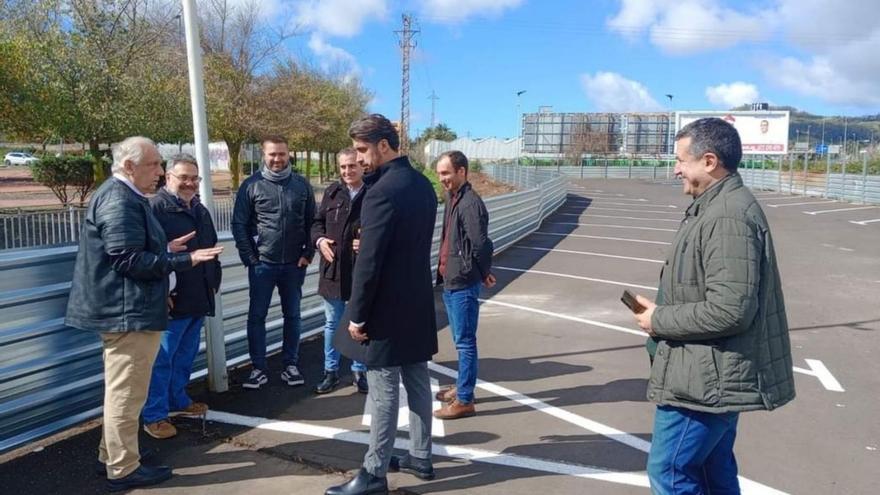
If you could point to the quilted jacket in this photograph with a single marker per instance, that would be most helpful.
(723, 341)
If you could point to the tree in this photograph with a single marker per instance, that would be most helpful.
(66, 176)
(440, 132)
(587, 138)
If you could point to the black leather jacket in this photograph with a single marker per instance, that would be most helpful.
(193, 295)
(120, 279)
(272, 222)
(470, 249)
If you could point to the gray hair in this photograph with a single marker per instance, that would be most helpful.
(182, 158)
(716, 136)
(349, 151)
(131, 148)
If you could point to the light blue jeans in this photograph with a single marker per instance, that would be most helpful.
(333, 310)
(463, 311)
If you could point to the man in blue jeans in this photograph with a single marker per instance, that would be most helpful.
(271, 224)
(334, 232)
(465, 265)
(718, 332)
(179, 211)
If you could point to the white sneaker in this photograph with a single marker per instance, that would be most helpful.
(256, 380)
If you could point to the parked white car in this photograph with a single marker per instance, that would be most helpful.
(19, 158)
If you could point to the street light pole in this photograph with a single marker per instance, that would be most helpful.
(218, 380)
(519, 130)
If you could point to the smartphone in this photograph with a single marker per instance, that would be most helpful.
(630, 301)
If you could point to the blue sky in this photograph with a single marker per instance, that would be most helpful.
(601, 55)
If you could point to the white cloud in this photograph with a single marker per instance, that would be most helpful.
(839, 40)
(611, 92)
(732, 95)
(334, 58)
(454, 11)
(343, 18)
(688, 26)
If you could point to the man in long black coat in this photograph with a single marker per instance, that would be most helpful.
(392, 327)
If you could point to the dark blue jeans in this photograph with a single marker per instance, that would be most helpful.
(171, 370)
(463, 311)
(263, 278)
(692, 453)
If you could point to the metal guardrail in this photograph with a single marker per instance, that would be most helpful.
(51, 375)
(852, 187)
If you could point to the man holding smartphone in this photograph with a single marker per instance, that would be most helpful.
(719, 334)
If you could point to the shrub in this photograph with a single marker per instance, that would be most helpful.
(67, 176)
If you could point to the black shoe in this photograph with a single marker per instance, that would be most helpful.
(331, 381)
(142, 476)
(292, 376)
(360, 381)
(420, 468)
(256, 379)
(362, 484)
(101, 468)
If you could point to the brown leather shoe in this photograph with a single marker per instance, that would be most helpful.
(455, 410)
(194, 409)
(160, 429)
(446, 394)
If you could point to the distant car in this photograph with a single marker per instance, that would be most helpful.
(19, 158)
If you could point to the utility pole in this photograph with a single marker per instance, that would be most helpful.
(433, 99)
(407, 43)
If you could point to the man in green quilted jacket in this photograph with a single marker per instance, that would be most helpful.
(718, 333)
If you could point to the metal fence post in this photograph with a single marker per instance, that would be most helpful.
(827, 175)
(806, 172)
(864, 176)
(779, 174)
(843, 180)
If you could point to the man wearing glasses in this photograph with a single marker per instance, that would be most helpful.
(179, 211)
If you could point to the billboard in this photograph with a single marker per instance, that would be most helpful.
(761, 132)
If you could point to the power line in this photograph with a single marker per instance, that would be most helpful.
(433, 99)
(407, 43)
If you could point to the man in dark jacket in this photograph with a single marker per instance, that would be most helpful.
(119, 289)
(465, 264)
(179, 211)
(334, 231)
(392, 325)
(719, 334)
(271, 224)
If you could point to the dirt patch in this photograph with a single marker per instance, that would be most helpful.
(18, 189)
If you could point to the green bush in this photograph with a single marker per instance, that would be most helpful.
(476, 166)
(67, 176)
(435, 181)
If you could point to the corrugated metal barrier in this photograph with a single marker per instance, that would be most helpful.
(51, 375)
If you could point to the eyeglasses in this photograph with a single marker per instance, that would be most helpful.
(186, 178)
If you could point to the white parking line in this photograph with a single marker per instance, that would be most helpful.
(453, 451)
(623, 204)
(623, 239)
(624, 218)
(665, 212)
(864, 222)
(589, 253)
(770, 198)
(638, 200)
(819, 212)
(576, 277)
(779, 205)
(610, 226)
(820, 371)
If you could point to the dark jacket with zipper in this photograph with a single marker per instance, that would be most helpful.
(337, 219)
(470, 249)
(722, 334)
(120, 279)
(272, 221)
(193, 294)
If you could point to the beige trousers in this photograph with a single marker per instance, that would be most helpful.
(128, 365)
